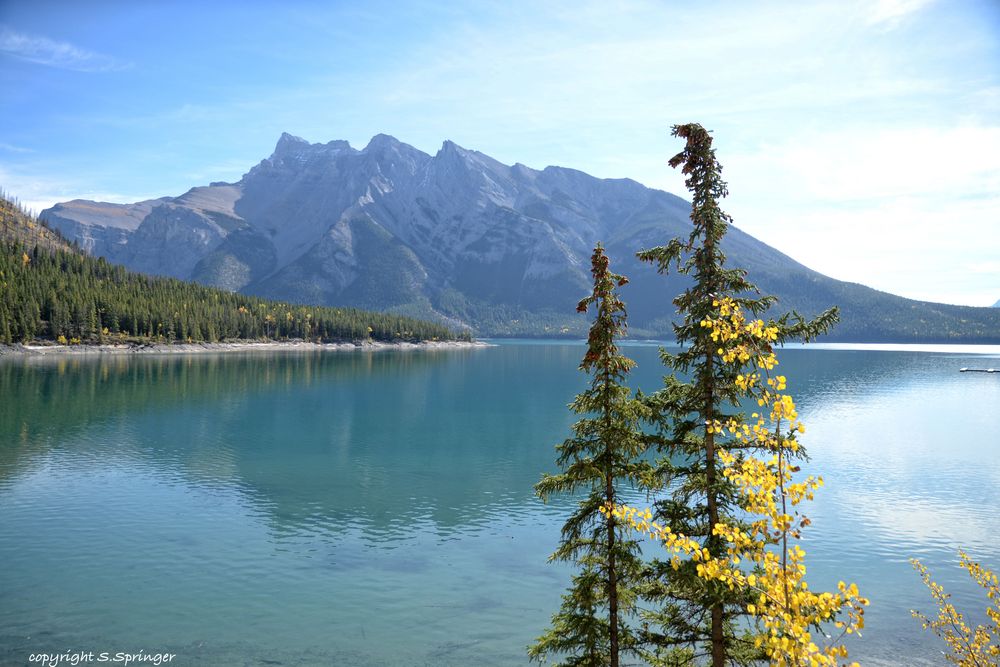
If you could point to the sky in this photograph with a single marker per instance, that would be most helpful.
(862, 138)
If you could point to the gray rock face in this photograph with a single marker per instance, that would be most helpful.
(98, 227)
(387, 226)
(457, 235)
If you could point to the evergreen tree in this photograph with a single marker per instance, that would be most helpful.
(50, 293)
(603, 455)
(49, 289)
(697, 617)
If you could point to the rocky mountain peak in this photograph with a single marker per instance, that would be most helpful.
(449, 149)
(338, 145)
(289, 143)
(382, 142)
(460, 236)
(387, 157)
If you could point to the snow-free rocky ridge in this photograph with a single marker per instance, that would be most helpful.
(456, 236)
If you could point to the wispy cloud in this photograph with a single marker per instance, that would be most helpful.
(860, 137)
(61, 55)
(37, 191)
(909, 210)
(11, 148)
(876, 163)
(939, 251)
(888, 14)
(616, 67)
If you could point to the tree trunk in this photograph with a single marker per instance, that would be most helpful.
(612, 575)
(718, 638)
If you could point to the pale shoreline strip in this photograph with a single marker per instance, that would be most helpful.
(19, 350)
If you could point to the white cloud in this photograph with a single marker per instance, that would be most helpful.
(987, 267)
(914, 211)
(889, 13)
(37, 193)
(941, 251)
(61, 55)
(872, 162)
(606, 78)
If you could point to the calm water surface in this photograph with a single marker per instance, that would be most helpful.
(376, 508)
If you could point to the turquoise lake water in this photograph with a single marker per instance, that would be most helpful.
(360, 508)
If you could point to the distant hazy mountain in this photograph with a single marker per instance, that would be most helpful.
(460, 236)
(997, 304)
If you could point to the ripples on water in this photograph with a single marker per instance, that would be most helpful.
(376, 509)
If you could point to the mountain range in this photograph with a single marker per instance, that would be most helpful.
(460, 237)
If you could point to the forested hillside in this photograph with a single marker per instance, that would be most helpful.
(16, 224)
(50, 291)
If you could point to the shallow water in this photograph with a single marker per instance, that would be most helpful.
(376, 508)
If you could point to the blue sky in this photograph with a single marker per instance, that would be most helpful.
(860, 137)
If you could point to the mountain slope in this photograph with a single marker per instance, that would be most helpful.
(50, 290)
(17, 225)
(459, 236)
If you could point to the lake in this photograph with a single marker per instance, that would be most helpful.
(376, 508)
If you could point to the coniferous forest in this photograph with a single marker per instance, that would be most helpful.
(51, 291)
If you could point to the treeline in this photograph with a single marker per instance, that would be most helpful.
(51, 291)
(70, 297)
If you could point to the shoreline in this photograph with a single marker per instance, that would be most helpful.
(56, 350)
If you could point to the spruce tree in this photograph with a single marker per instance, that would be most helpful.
(695, 618)
(601, 458)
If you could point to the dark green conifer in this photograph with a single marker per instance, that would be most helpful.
(695, 619)
(599, 461)
(49, 289)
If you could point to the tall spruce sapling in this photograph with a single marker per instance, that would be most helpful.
(695, 618)
(602, 457)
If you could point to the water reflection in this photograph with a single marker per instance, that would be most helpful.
(378, 506)
(342, 438)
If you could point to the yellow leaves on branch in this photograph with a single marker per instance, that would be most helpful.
(731, 330)
(761, 558)
(969, 647)
(787, 611)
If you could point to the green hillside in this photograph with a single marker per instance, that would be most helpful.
(50, 291)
